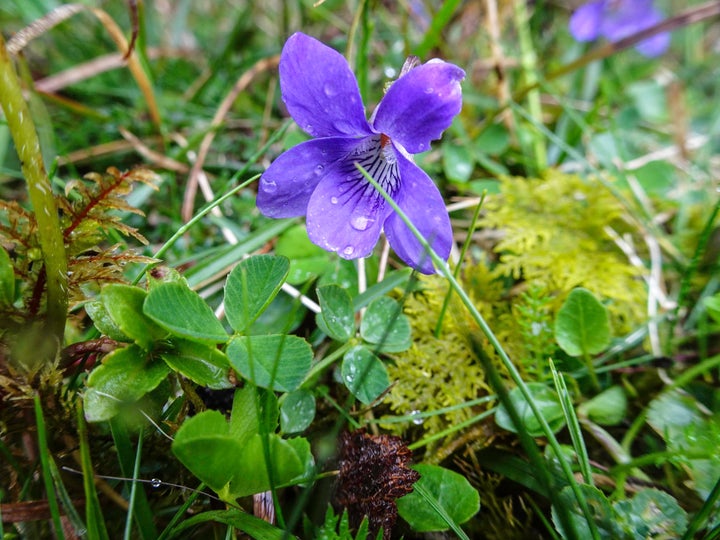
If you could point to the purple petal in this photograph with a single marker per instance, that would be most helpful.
(421, 201)
(285, 187)
(586, 21)
(420, 105)
(654, 46)
(632, 17)
(319, 90)
(345, 213)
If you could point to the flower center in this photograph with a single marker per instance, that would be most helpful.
(377, 156)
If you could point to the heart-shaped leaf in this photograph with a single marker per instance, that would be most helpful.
(278, 362)
(386, 326)
(251, 286)
(124, 376)
(337, 316)
(441, 495)
(182, 312)
(364, 374)
(582, 326)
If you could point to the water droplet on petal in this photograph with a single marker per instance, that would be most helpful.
(429, 90)
(417, 419)
(329, 90)
(360, 222)
(156, 482)
(268, 185)
(319, 169)
(348, 250)
(334, 200)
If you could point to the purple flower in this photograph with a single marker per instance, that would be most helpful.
(618, 19)
(318, 178)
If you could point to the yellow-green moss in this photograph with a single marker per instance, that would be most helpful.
(555, 238)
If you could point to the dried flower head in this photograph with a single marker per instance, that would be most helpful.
(374, 472)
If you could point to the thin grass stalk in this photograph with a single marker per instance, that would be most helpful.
(505, 359)
(195, 219)
(180, 513)
(27, 144)
(45, 458)
(573, 425)
(133, 488)
(461, 258)
(528, 61)
(141, 509)
(93, 512)
(65, 498)
(425, 494)
(439, 22)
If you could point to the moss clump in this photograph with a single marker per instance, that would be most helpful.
(556, 236)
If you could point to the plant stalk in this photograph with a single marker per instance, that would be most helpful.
(49, 232)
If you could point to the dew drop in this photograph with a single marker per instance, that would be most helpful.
(334, 200)
(156, 482)
(417, 419)
(269, 186)
(348, 250)
(319, 169)
(429, 90)
(360, 222)
(330, 90)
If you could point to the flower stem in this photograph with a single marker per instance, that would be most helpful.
(49, 232)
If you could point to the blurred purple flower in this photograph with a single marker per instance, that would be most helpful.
(318, 178)
(618, 19)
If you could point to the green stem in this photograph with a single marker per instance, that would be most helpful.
(443, 268)
(49, 232)
(528, 60)
(45, 465)
(456, 272)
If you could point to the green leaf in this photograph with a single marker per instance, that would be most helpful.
(307, 261)
(712, 306)
(124, 376)
(687, 428)
(297, 411)
(124, 305)
(458, 162)
(7, 279)
(544, 398)
(234, 466)
(200, 363)
(251, 286)
(452, 494)
(582, 326)
(251, 407)
(364, 374)
(493, 140)
(607, 408)
(386, 326)
(103, 322)
(205, 446)
(337, 312)
(287, 460)
(247, 523)
(602, 512)
(279, 362)
(182, 312)
(651, 513)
